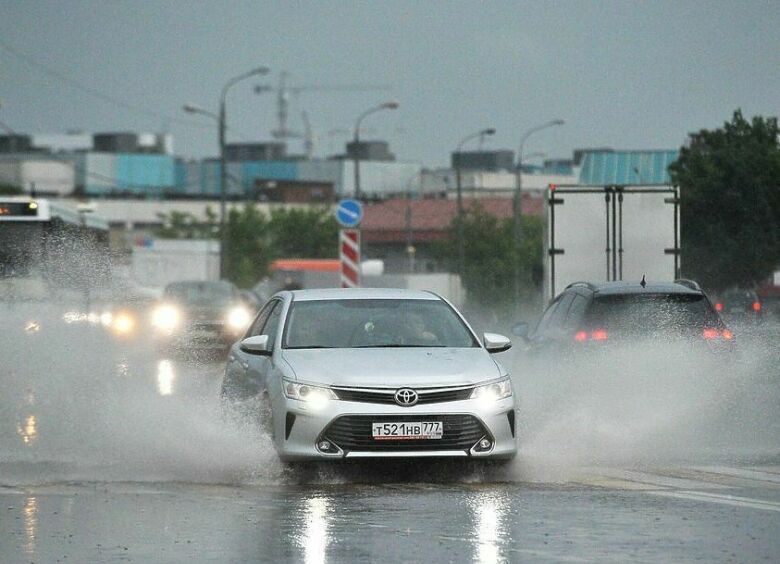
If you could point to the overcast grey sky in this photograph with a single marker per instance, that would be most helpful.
(622, 74)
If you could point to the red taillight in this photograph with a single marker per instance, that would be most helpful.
(756, 306)
(718, 306)
(710, 334)
(599, 335)
(595, 335)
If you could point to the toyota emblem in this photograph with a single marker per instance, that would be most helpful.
(406, 397)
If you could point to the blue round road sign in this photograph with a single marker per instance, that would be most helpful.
(349, 213)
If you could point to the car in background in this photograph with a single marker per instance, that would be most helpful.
(740, 306)
(588, 316)
(200, 313)
(367, 373)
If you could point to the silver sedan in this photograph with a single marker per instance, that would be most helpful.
(374, 373)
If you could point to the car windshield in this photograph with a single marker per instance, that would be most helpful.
(200, 293)
(646, 314)
(375, 323)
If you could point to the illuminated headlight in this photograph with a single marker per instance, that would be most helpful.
(316, 396)
(165, 317)
(106, 318)
(238, 318)
(493, 392)
(123, 323)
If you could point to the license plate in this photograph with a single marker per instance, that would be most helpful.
(407, 430)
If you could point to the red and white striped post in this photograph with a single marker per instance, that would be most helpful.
(349, 253)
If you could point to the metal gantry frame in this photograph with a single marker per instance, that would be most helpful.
(613, 198)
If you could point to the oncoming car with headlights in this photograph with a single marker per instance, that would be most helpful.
(200, 313)
(361, 373)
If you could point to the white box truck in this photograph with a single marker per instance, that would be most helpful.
(605, 233)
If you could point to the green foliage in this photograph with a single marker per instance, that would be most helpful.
(304, 233)
(183, 225)
(249, 251)
(729, 182)
(254, 239)
(9, 190)
(492, 259)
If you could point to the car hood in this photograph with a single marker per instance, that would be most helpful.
(392, 368)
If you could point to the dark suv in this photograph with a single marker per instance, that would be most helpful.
(585, 315)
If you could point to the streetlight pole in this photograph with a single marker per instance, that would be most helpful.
(459, 195)
(222, 126)
(517, 210)
(356, 140)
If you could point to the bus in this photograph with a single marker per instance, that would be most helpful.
(50, 251)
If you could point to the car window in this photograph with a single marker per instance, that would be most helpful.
(647, 314)
(559, 316)
(357, 323)
(576, 312)
(544, 322)
(271, 327)
(262, 317)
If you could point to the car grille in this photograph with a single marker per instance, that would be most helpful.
(388, 397)
(353, 433)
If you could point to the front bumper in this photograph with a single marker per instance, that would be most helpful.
(346, 425)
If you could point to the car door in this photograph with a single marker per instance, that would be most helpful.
(237, 382)
(548, 335)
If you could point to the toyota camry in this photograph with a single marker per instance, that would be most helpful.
(359, 373)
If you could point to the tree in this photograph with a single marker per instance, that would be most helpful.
(729, 181)
(254, 240)
(248, 249)
(491, 256)
(304, 233)
(184, 225)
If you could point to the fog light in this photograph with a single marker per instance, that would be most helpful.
(484, 444)
(324, 445)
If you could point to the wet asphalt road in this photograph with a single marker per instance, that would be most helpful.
(110, 451)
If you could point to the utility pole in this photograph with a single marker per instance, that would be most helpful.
(459, 195)
(517, 209)
(221, 119)
(356, 140)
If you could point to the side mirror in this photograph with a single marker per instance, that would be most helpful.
(496, 343)
(256, 345)
(520, 329)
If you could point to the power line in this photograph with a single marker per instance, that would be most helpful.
(95, 93)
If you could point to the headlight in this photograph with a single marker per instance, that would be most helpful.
(315, 396)
(238, 318)
(493, 392)
(165, 317)
(123, 323)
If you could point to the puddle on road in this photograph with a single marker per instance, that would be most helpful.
(80, 407)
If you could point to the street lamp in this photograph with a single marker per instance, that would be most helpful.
(517, 211)
(356, 139)
(459, 194)
(221, 122)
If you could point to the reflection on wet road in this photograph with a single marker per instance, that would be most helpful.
(111, 451)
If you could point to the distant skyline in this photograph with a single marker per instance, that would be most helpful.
(627, 75)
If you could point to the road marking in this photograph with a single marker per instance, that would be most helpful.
(722, 499)
(741, 473)
(661, 480)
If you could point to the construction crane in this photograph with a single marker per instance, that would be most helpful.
(283, 93)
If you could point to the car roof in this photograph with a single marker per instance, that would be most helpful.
(362, 294)
(622, 287)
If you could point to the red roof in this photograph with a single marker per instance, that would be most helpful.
(431, 219)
